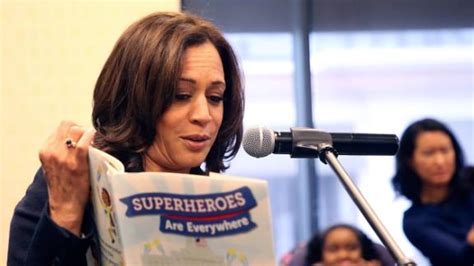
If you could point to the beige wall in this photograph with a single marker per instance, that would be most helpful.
(52, 52)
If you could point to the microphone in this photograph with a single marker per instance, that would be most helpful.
(307, 142)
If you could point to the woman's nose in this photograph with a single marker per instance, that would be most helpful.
(440, 158)
(200, 112)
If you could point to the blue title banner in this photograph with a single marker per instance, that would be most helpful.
(203, 205)
(204, 215)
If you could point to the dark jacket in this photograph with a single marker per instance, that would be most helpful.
(439, 231)
(36, 240)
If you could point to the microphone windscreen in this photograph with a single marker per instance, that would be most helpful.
(259, 141)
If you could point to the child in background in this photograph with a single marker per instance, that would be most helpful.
(342, 245)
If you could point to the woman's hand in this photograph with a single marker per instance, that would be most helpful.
(66, 169)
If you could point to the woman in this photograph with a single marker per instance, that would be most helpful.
(440, 221)
(342, 245)
(169, 98)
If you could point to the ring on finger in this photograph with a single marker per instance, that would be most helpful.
(70, 143)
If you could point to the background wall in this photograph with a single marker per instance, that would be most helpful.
(51, 55)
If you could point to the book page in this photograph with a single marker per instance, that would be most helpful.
(102, 168)
(181, 219)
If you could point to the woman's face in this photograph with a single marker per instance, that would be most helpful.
(434, 158)
(187, 130)
(341, 247)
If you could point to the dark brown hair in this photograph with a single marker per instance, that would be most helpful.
(138, 83)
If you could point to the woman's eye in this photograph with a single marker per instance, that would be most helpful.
(446, 150)
(428, 153)
(182, 96)
(216, 98)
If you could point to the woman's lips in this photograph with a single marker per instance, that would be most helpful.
(442, 175)
(196, 142)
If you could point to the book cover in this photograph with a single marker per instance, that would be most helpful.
(154, 218)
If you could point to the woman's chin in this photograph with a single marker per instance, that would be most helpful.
(193, 161)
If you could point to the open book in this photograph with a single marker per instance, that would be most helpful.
(155, 218)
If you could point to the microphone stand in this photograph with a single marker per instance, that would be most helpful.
(322, 144)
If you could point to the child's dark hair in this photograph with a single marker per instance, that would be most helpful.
(316, 244)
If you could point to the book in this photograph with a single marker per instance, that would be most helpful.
(157, 218)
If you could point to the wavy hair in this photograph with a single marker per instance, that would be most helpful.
(138, 83)
(406, 181)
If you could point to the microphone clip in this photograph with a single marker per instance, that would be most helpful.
(308, 140)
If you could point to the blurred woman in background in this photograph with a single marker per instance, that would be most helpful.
(430, 172)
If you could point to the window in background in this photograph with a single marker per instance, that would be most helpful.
(267, 62)
(379, 82)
